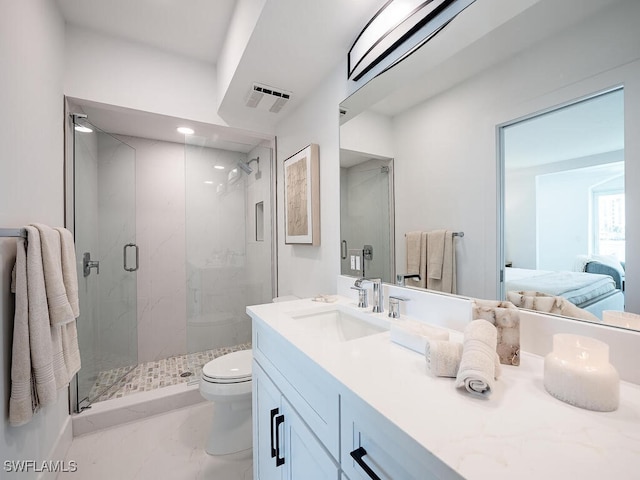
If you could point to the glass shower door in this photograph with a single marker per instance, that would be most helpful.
(107, 256)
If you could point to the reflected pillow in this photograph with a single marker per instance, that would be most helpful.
(609, 260)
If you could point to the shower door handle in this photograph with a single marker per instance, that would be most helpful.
(124, 257)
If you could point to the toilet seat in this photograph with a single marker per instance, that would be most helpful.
(231, 368)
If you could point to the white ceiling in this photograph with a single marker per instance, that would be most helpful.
(591, 127)
(294, 46)
(193, 28)
(134, 123)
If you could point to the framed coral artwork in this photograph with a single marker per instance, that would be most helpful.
(302, 197)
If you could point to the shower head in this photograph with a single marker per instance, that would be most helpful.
(245, 167)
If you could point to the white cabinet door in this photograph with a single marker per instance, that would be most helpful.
(283, 446)
(266, 411)
(305, 457)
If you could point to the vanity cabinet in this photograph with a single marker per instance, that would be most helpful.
(307, 425)
(372, 447)
(288, 387)
(285, 448)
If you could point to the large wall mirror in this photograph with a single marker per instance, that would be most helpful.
(564, 206)
(462, 104)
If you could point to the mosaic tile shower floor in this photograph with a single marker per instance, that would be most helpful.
(152, 375)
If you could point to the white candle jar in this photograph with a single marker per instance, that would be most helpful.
(578, 372)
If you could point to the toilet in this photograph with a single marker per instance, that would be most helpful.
(226, 381)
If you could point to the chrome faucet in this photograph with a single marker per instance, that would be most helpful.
(378, 295)
(400, 278)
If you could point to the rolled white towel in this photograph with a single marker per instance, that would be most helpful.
(478, 363)
(443, 357)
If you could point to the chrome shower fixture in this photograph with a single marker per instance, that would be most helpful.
(246, 168)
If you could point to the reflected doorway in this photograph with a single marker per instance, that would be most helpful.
(563, 206)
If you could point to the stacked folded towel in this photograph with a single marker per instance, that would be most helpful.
(478, 363)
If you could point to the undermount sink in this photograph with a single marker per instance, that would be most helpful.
(338, 325)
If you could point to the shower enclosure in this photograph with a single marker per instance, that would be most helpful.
(175, 240)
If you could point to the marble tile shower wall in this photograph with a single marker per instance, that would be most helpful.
(199, 254)
(258, 270)
(116, 329)
(193, 249)
(160, 234)
(216, 249)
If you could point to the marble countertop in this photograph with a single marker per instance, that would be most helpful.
(519, 432)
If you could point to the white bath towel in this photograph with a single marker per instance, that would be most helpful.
(22, 402)
(69, 272)
(60, 311)
(447, 282)
(39, 324)
(443, 357)
(417, 258)
(435, 253)
(478, 363)
(70, 350)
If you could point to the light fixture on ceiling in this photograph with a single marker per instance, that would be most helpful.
(209, 182)
(397, 22)
(185, 130)
(219, 167)
(82, 128)
(267, 98)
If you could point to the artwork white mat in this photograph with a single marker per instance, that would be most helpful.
(302, 197)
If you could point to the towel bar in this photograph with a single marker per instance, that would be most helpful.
(455, 234)
(13, 232)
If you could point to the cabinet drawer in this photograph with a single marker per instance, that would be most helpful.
(312, 392)
(383, 448)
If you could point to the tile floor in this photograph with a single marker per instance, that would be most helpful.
(151, 375)
(168, 446)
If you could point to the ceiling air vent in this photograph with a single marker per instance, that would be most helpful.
(268, 98)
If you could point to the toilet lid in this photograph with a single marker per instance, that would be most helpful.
(233, 367)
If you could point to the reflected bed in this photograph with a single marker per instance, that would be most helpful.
(590, 291)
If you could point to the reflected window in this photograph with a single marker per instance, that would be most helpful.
(609, 224)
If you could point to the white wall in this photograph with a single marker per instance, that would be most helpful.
(31, 184)
(369, 132)
(127, 74)
(304, 270)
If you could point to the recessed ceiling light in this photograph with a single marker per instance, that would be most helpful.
(209, 182)
(185, 130)
(82, 128)
(219, 167)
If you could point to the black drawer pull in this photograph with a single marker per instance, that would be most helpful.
(279, 421)
(274, 412)
(357, 455)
